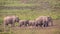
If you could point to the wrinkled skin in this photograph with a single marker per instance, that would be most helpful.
(10, 20)
(44, 21)
(23, 23)
(31, 23)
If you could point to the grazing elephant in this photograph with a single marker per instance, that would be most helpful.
(43, 21)
(31, 23)
(23, 23)
(10, 20)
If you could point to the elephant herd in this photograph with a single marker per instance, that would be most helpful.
(41, 21)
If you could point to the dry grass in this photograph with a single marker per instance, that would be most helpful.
(26, 30)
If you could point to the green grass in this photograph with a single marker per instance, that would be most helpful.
(28, 14)
(32, 12)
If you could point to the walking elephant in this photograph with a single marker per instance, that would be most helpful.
(44, 21)
(38, 23)
(31, 23)
(23, 23)
(10, 20)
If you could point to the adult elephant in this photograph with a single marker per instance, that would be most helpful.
(43, 21)
(10, 20)
(23, 23)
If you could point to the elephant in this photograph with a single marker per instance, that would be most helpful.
(38, 23)
(23, 23)
(43, 21)
(11, 20)
(31, 23)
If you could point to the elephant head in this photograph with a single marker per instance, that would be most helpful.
(17, 19)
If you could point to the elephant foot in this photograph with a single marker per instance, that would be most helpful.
(45, 25)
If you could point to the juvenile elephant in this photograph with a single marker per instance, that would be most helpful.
(31, 23)
(10, 20)
(38, 23)
(23, 23)
(44, 21)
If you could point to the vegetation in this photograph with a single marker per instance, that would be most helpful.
(30, 9)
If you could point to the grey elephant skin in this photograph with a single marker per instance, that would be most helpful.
(44, 21)
(23, 23)
(31, 23)
(10, 20)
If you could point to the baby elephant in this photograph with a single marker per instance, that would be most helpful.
(31, 23)
(10, 20)
(23, 23)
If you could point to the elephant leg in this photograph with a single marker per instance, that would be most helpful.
(43, 23)
(5, 27)
(37, 25)
(40, 25)
(33, 24)
(29, 24)
(20, 25)
(51, 23)
(25, 24)
(46, 24)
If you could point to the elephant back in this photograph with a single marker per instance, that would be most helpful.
(40, 18)
(23, 21)
(31, 21)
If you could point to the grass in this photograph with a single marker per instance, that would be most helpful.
(36, 31)
(48, 30)
(31, 9)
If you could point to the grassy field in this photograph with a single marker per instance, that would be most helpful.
(25, 30)
(30, 9)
